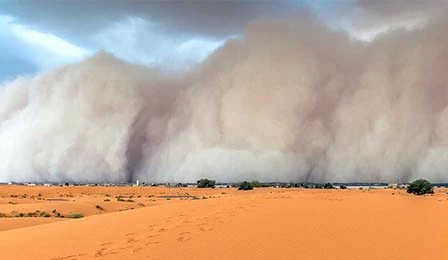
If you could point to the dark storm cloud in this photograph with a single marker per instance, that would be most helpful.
(367, 14)
(76, 19)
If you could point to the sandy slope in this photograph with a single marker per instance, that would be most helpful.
(15, 200)
(262, 224)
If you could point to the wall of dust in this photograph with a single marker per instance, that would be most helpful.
(290, 100)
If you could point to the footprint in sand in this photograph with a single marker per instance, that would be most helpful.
(132, 240)
(100, 252)
(203, 227)
(152, 243)
(151, 227)
(137, 249)
(152, 235)
(183, 239)
(70, 257)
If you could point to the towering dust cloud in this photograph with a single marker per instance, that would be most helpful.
(288, 101)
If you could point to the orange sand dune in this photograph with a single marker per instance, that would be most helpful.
(260, 224)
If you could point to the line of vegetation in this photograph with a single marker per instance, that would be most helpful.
(35, 214)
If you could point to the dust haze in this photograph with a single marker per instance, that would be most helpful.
(289, 100)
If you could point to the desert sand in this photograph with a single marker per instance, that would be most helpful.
(190, 223)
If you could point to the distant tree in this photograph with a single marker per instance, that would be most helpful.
(304, 185)
(420, 187)
(328, 186)
(206, 183)
(318, 186)
(245, 185)
(342, 187)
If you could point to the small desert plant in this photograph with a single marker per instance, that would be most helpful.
(76, 215)
(342, 187)
(420, 187)
(57, 214)
(99, 207)
(206, 183)
(107, 200)
(245, 185)
(129, 200)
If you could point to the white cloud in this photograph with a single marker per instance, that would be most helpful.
(197, 49)
(42, 49)
(139, 41)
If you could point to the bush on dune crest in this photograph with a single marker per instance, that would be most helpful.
(420, 187)
(76, 215)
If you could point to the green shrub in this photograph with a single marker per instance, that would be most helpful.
(342, 187)
(420, 187)
(76, 215)
(206, 183)
(245, 185)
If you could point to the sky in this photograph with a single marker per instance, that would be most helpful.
(39, 35)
